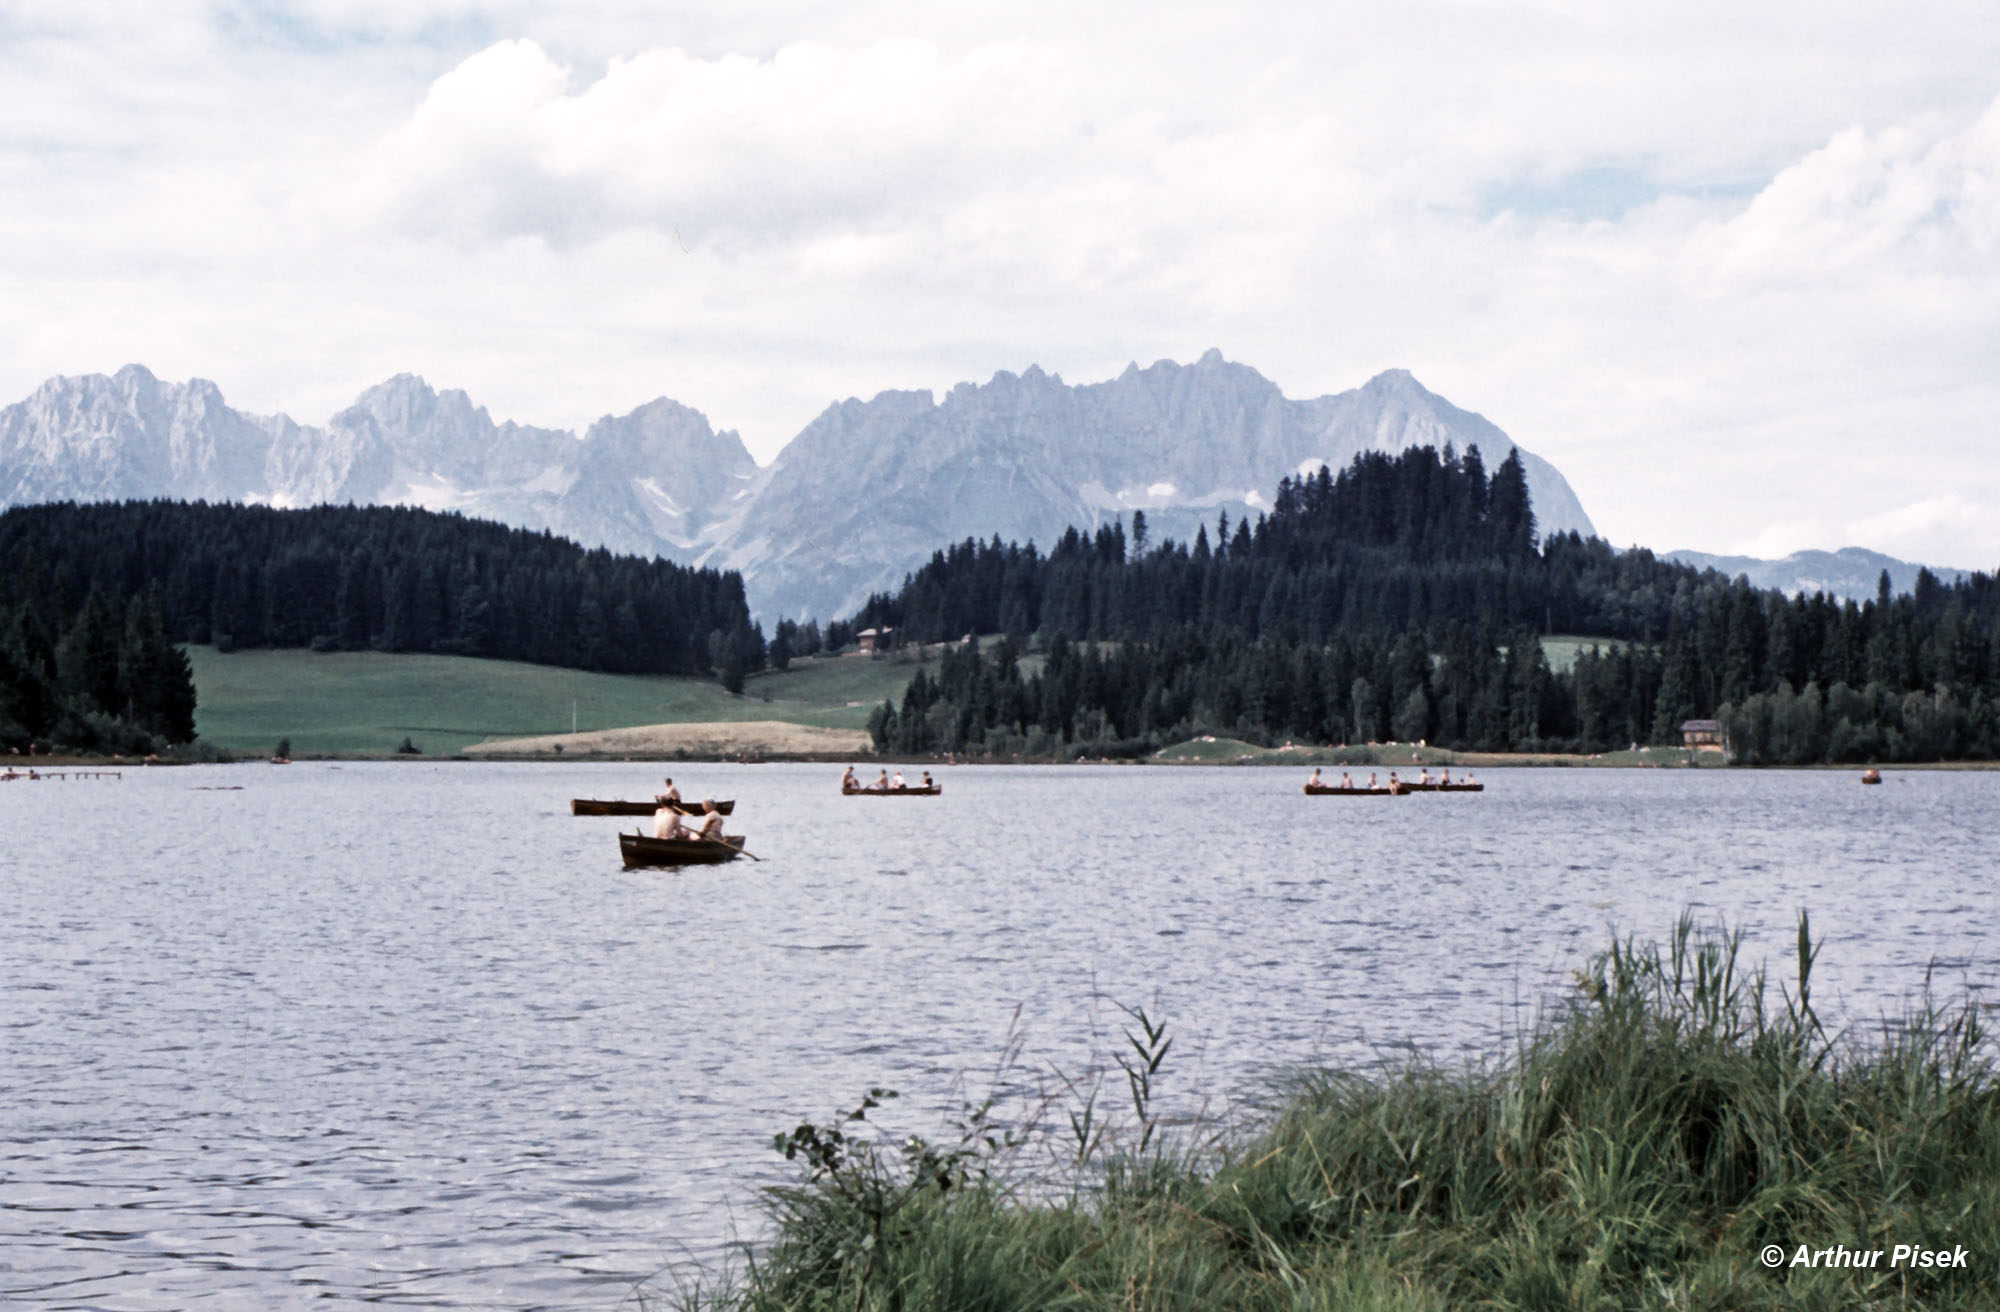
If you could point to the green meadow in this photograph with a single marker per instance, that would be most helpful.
(365, 703)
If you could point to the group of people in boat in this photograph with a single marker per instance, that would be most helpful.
(668, 823)
(884, 784)
(1422, 781)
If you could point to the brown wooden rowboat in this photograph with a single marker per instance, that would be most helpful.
(905, 791)
(639, 850)
(596, 806)
(1400, 787)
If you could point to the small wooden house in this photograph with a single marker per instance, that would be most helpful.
(1702, 735)
(873, 639)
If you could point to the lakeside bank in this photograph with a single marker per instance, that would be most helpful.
(1680, 1132)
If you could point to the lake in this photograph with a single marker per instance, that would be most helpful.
(406, 1032)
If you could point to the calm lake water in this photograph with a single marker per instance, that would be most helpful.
(406, 1032)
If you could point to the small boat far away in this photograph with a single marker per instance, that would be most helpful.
(639, 850)
(1871, 776)
(905, 791)
(1397, 789)
(597, 806)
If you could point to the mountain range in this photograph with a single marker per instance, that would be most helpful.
(1849, 572)
(865, 493)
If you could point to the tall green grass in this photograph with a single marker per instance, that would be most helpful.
(1639, 1148)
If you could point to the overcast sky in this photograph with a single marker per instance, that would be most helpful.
(1737, 276)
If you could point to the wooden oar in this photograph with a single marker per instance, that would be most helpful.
(716, 842)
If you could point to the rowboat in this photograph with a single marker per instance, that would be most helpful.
(1396, 789)
(1871, 776)
(595, 806)
(904, 791)
(639, 850)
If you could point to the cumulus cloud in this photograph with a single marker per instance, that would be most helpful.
(1927, 195)
(748, 150)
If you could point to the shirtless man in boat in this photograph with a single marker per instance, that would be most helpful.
(848, 783)
(881, 785)
(711, 822)
(928, 785)
(1371, 781)
(897, 784)
(669, 797)
(1345, 780)
(1314, 781)
(667, 823)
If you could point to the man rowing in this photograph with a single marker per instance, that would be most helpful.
(667, 823)
(848, 783)
(1314, 781)
(669, 797)
(897, 784)
(881, 785)
(711, 822)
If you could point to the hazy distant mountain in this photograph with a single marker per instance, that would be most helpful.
(1849, 572)
(871, 488)
(653, 481)
(859, 498)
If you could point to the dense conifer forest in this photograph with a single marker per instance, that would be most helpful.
(1403, 600)
(329, 578)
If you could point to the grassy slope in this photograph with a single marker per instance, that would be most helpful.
(358, 703)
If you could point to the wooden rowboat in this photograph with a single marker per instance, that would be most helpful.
(904, 791)
(595, 806)
(1397, 789)
(639, 850)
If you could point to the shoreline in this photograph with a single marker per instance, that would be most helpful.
(1261, 758)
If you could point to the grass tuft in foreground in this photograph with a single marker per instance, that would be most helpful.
(1641, 1149)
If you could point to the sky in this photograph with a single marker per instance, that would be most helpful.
(1734, 269)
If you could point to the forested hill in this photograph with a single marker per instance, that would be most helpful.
(349, 578)
(1403, 599)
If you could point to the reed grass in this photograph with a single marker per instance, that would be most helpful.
(1639, 1148)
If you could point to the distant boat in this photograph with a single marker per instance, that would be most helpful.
(639, 850)
(596, 806)
(1871, 776)
(1398, 788)
(905, 791)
